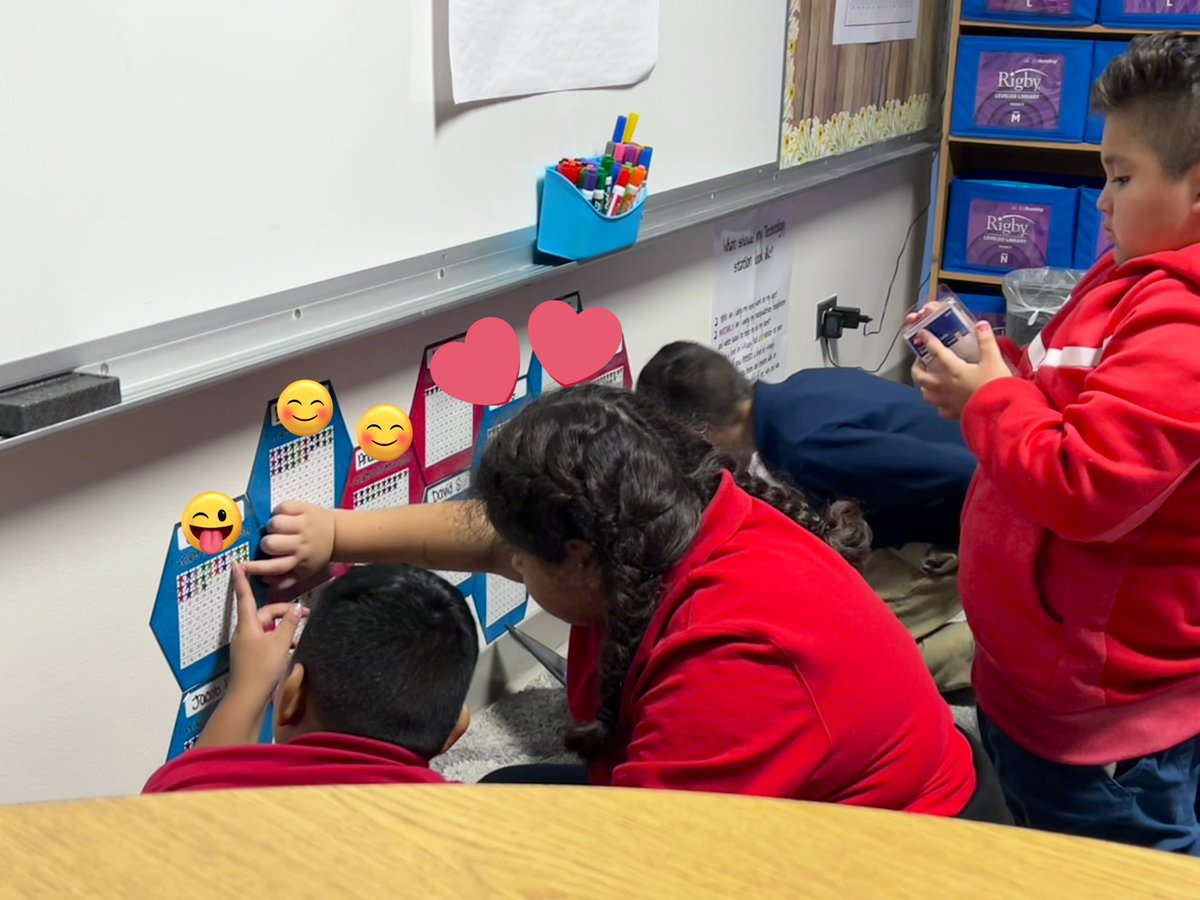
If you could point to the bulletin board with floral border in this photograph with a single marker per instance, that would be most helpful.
(840, 98)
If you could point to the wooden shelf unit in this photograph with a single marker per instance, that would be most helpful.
(1052, 146)
(959, 154)
(968, 277)
(1091, 30)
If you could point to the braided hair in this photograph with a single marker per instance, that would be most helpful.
(615, 470)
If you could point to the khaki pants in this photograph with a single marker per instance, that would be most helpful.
(919, 583)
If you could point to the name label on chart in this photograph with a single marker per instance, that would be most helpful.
(361, 460)
(444, 490)
(200, 699)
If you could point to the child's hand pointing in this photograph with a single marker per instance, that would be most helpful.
(952, 385)
(262, 640)
(259, 652)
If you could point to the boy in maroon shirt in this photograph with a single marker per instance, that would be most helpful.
(373, 690)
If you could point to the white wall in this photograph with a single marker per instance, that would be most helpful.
(87, 701)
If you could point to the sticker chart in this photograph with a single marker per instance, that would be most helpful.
(286, 467)
(496, 417)
(449, 426)
(373, 484)
(303, 470)
(388, 492)
(615, 373)
(194, 612)
(207, 612)
(309, 599)
(452, 488)
(444, 428)
(499, 602)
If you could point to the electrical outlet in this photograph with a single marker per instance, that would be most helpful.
(823, 307)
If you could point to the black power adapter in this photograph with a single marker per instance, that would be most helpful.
(836, 319)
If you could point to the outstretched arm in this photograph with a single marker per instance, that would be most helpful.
(301, 539)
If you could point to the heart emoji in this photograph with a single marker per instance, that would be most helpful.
(572, 347)
(482, 369)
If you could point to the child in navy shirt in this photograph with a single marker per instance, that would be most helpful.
(842, 433)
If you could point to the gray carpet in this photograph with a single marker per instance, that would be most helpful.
(524, 727)
(527, 727)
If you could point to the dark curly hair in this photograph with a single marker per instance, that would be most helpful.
(1158, 82)
(698, 384)
(615, 470)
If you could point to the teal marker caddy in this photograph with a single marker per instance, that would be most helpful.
(571, 228)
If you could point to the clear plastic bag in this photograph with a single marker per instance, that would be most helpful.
(1033, 296)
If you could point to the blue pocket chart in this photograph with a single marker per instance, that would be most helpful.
(495, 417)
(287, 467)
(499, 601)
(454, 487)
(196, 708)
(194, 611)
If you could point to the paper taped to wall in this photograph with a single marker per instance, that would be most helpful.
(753, 255)
(872, 21)
(538, 46)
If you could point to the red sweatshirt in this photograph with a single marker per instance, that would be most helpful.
(1080, 556)
(321, 758)
(772, 669)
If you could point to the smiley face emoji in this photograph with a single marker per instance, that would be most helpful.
(384, 432)
(211, 522)
(304, 407)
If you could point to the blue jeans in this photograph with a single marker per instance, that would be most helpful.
(1148, 802)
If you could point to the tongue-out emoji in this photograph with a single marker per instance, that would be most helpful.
(211, 522)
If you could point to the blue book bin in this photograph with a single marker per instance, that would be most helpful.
(1091, 242)
(1166, 14)
(988, 308)
(1021, 89)
(1047, 13)
(571, 228)
(1104, 53)
(997, 226)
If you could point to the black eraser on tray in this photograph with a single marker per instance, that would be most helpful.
(40, 404)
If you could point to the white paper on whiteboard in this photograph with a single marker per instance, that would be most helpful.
(518, 47)
(872, 21)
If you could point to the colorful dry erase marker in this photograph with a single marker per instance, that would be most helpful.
(619, 131)
(618, 192)
(589, 185)
(644, 157)
(635, 185)
(600, 196)
(630, 124)
(609, 148)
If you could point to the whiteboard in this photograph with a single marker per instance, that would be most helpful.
(163, 159)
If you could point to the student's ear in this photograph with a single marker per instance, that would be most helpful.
(289, 710)
(1193, 177)
(460, 728)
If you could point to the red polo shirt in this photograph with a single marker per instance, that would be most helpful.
(321, 758)
(772, 669)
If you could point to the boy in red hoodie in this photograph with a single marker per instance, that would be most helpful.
(1080, 565)
(374, 689)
